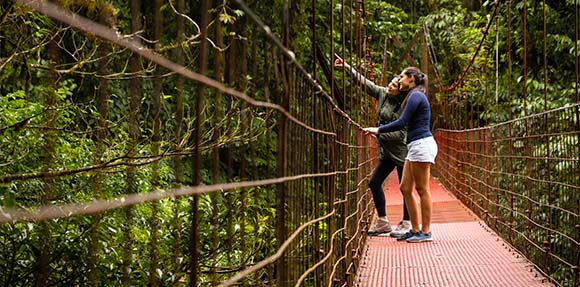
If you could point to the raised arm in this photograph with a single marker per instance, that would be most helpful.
(371, 88)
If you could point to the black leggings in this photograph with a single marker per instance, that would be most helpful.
(383, 169)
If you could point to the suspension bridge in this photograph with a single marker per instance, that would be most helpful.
(204, 160)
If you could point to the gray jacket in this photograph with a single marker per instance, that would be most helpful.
(392, 145)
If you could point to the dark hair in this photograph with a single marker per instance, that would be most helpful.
(421, 81)
(420, 77)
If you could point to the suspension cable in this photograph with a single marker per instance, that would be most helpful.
(461, 77)
(432, 55)
(525, 56)
(497, 67)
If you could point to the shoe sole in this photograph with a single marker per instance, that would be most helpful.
(397, 235)
(386, 233)
(419, 241)
(401, 239)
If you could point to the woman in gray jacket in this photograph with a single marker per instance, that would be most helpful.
(392, 147)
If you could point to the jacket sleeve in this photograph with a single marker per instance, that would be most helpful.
(367, 85)
(399, 135)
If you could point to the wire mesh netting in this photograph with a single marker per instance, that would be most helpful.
(209, 157)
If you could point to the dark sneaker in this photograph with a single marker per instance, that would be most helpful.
(407, 235)
(420, 237)
(403, 227)
(380, 227)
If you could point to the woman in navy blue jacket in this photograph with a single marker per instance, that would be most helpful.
(422, 148)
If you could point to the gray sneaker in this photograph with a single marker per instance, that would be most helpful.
(403, 227)
(380, 227)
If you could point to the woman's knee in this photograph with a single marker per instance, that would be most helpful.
(406, 190)
(375, 184)
(422, 190)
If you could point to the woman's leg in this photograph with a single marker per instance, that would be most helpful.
(407, 184)
(382, 170)
(405, 209)
(421, 172)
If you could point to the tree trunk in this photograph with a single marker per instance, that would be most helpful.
(51, 116)
(100, 136)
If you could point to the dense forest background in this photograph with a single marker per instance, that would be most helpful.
(83, 119)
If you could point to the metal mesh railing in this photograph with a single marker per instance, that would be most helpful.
(508, 151)
(139, 159)
(184, 143)
(522, 178)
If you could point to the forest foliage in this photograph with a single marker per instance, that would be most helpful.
(68, 133)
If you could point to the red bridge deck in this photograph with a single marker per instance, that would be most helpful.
(465, 252)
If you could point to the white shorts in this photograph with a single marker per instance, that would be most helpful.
(422, 150)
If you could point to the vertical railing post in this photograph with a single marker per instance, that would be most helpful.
(179, 131)
(241, 72)
(333, 162)
(133, 128)
(219, 64)
(156, 109)
(546, 142)
(316, 150)
(577, 114)
(425, 59)
(281, 233)
(527, 140)
(267, 138)
(495, 137)
(196, 163)
(509, 86)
